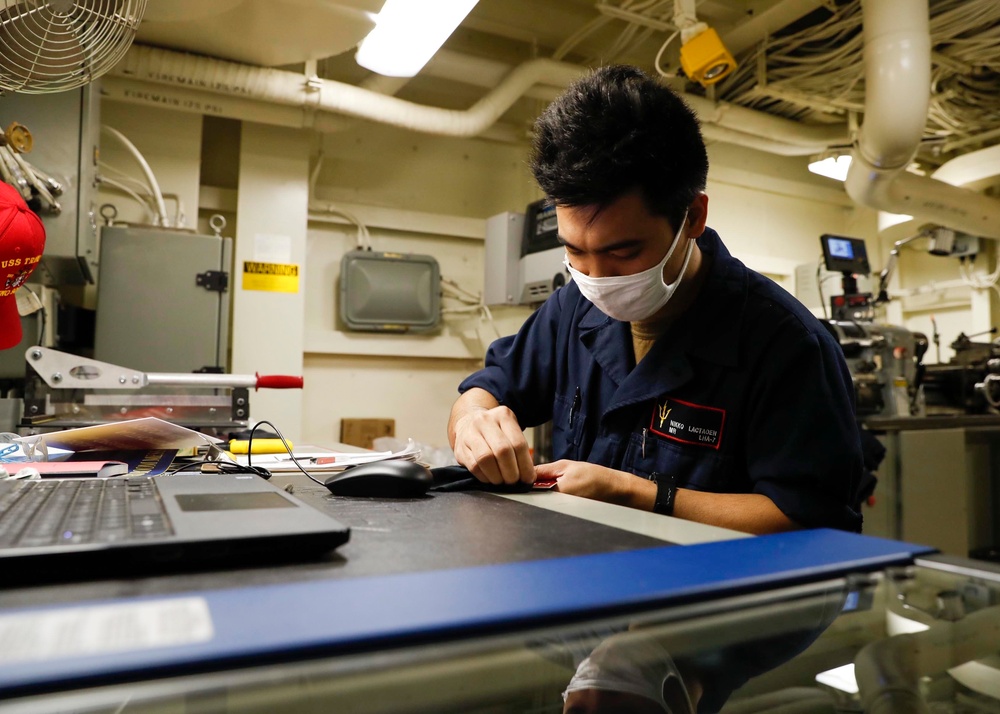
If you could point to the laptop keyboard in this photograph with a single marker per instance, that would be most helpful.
(73, 512)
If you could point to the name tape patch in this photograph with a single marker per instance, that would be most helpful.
(688, 423)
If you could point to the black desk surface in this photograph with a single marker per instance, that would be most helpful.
(388, 536)
(451, 567)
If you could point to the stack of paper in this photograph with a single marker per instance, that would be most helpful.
(147, 445)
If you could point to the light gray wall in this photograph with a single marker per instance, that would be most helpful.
(431, 195)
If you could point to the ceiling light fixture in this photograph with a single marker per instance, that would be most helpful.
(407, 34)
(834, 167)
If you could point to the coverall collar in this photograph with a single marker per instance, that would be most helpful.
(701, 332)
(711, 328)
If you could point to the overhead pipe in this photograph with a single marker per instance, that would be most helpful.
(130, 91)
(288, 88)
(776, 134)
(714, 132)
(241, 84)
(897, 56)
(814, 137)
(483, 72)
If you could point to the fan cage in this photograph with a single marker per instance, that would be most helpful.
(55, 45)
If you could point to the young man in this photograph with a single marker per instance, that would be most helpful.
(677, 380)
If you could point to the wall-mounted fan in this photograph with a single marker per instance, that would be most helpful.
(54, 45)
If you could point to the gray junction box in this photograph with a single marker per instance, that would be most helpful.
(522, 257)
(163, 299)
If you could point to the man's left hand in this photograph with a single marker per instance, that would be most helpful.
(597, 482)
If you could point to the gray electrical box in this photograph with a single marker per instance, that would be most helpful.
(523, 259)
(65, 127)
(501, 259)
(389, 292)
(163, 299)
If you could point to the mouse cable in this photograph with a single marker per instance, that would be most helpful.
(288, 449)
(225, 467)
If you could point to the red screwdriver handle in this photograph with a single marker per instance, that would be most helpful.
(278, 381)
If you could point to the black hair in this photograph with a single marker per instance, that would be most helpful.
(614, 131)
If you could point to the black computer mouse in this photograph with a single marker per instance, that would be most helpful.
(391, 479)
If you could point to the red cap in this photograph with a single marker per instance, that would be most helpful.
(22, 240)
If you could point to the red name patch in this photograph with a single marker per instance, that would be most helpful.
(688, 423)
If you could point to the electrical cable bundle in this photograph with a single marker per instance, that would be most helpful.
(471, 303)
(819, 71)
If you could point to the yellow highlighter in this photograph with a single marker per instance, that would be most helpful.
(260, 446)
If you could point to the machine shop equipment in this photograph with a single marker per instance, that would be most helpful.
(886, 361)
(65, 391)
(849, 257)
(968, 382)
(886, 365)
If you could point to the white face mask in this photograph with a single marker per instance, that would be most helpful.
(631, 298)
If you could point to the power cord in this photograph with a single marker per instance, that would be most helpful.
(288, 450)
(231, 467)
(227, 467)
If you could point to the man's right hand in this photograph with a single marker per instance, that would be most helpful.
(489, 442)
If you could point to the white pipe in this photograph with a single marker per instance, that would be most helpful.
(897, 94)
(201, 102)
(175, 68)
(130, 91)
(481, 72)
(897, 57)
(233, 82)
(146, 170)
(714, 132)
(926, 199)
(815, 137)
(736, 124)
(134, 195)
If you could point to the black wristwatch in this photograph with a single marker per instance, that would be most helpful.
(666, 492)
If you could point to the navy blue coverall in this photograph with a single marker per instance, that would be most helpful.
(746, 392)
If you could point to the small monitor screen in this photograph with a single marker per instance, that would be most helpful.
(845, 255)
(841, 248)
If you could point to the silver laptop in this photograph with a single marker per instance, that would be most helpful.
(61, 527)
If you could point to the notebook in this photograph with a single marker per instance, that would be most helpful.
(67, 527)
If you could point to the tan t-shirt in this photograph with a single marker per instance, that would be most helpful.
(644, 334)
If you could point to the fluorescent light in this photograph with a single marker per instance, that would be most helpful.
(834, 167)
(407, 34)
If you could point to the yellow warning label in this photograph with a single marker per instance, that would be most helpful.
(270, 277)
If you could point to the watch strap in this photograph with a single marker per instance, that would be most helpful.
(666, 492)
